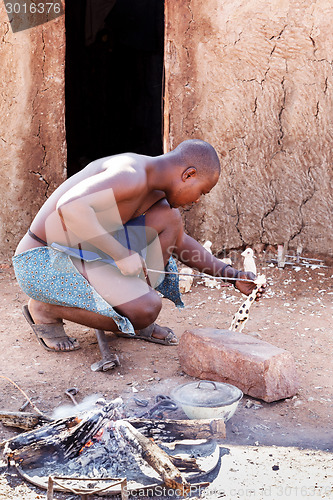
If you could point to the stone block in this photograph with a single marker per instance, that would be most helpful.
(259, 369)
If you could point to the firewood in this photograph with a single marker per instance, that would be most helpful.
(22, 420)
(185, 464)
(158, 459)
(180, 429)
(49, 434)
(62, 438)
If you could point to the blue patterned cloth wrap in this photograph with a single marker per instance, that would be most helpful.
(48, 274)
(131, 235)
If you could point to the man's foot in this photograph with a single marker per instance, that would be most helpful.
(153, 333)
(51, 336)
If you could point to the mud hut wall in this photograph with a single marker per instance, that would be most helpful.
(254, 78)
(32, 130)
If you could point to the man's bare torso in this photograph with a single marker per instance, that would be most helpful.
(102, 176)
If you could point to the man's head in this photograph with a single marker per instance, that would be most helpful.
(198, 169)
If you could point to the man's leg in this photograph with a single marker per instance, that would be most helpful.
(141, 310)
(164, 222)
(129, 296)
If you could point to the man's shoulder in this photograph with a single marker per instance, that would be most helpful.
(128, 169)
(125, 162)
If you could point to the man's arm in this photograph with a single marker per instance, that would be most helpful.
(78, 210)
(190, 252)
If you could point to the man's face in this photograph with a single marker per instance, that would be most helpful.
(187, 193)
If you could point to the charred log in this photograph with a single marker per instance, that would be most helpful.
(22, 420)
(61, 439)
(158, 459)
(180, 429)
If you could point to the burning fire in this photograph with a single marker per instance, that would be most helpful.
(91, 442)
(87, 445)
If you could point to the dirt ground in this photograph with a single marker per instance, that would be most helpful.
(277, 450)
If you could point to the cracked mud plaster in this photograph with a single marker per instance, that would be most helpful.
(33, 141)
(42, 179)
(262, 92)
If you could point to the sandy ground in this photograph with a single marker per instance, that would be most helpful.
(277, 450)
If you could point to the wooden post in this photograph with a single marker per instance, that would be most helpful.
(124, 490)
(49, 493)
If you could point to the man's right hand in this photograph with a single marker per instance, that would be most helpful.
(246, 287)
(131, 265)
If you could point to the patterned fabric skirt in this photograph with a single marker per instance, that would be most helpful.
(48, 275)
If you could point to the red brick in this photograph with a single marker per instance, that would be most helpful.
(258, 368)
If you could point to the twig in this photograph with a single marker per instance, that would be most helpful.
(24, 394)
(200, 275)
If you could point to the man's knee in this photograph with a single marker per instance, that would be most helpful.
(162, 216)
(171, 215)
(151, 310)
(143, 312)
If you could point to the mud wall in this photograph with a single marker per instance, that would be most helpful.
(254, 78)
(32, 126)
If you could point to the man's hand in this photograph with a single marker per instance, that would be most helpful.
(131, 265)
(247, 287)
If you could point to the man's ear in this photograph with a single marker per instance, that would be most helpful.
(188, 173)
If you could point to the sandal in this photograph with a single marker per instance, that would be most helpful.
(147, 334)
(54, 331)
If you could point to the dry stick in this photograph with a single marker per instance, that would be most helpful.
(86, 491)
(200, 275)
(53, 484)
(158, 459)
(145, 271)
(27, 397)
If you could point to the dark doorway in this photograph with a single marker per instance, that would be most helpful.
(114, 73)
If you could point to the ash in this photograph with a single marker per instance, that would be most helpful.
(108, 454)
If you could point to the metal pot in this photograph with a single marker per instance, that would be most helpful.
(207, 399)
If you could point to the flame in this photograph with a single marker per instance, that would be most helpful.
(87, 445)
(91, 442)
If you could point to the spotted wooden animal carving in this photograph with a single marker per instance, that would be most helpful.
(243, 312)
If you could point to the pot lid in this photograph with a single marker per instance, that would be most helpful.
(207, 394)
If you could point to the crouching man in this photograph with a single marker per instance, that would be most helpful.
(88, 253)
